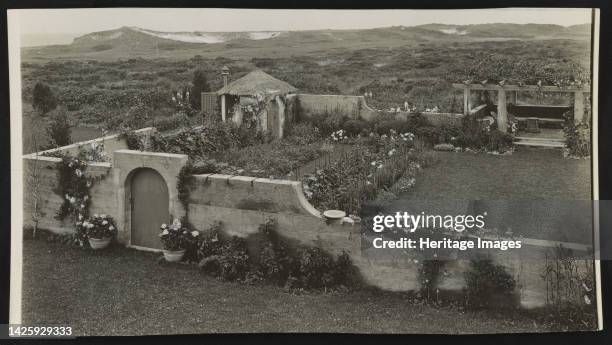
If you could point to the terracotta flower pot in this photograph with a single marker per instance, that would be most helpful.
(99, 243)
(174, 255)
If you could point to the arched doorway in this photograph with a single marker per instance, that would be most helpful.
(149, 207)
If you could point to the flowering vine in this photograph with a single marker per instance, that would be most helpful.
(74, 185)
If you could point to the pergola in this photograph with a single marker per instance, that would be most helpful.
(504, 90)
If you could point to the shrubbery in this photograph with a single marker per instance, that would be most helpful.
(302, 267)
(577, 137)
(488, 284)
(303, 133)
(59, 130)
(172, 122)
(214, 137)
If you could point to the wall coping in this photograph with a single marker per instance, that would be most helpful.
(82, 143)
(57, 160)
(150, 153)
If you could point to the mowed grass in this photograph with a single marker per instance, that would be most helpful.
(529, 173)
(534, 192)
(126, 292)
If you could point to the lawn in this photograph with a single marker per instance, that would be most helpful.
(126, 292)
(535, 192)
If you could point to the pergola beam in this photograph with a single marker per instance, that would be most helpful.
(496, 87)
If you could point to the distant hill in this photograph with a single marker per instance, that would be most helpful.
(530, 31)
(133, 42)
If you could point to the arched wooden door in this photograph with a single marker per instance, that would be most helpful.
(150, 207)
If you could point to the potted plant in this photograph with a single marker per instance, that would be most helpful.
(99, 230)
(174, 240)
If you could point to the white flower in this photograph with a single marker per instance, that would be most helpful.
(96, 215)
(163, 226)
(82, 205)
(111, 228)
(373, 163)
(102, 216)
(379, 167)
(78, 172)
(104, 222)
(80, 216)
(72, 200)
(165, 232)
(195, 233)
(587, 300)
(67, 197)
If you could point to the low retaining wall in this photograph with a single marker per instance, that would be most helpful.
(357, 107)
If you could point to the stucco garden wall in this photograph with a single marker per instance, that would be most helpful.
(357, 107)
(50, 200)
(243, 203)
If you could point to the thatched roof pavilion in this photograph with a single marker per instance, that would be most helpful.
(257, 82)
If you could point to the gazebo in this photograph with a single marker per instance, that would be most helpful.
(255, 100)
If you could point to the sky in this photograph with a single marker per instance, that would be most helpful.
(60, 25)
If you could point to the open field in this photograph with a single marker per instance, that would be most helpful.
(125, 292)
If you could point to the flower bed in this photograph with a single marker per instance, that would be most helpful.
(375, 164)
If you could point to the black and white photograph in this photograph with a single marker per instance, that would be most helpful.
(225, 170)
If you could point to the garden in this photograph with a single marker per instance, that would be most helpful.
(343, 164)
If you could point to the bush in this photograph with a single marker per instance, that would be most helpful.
(385, 126)
(230, 263)
(43, 99)
(172, 122)
(59, 130)
(488, 285)
(275, 262)
(354, 127)
(498, 141)
(310, 268)
(200, 84)
(577, 137)
(303, 133)
(315, 268)
(429, 275)
(328, 121)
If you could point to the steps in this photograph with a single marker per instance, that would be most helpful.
(539, 142)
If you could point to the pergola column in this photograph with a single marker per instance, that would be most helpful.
(578, 106)
(466, 101)
(502, 111)
(223, 108)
